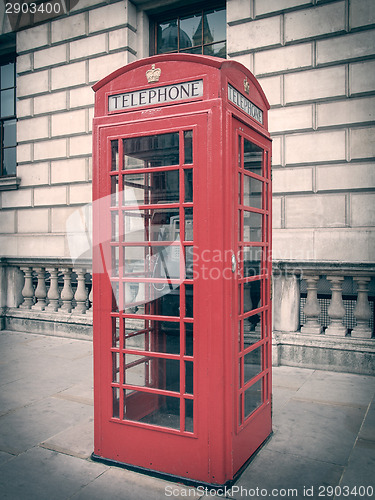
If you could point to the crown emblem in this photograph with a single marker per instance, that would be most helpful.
(153, 74)
(246, 86)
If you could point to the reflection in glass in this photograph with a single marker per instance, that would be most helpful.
(216, 24)
(252, 227)
(253, 397)
(216, 50)
(253, 157)
(7, 75)
(151, 188)
(191, 27)
(252, 196)
(114, 155)
(252, 258)
(10, 161)
(151, 151)
(162, 410)
(7, 102)
(252, 364)
(10, 133)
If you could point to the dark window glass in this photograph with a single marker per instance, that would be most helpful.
(201, 31)
(8, 132)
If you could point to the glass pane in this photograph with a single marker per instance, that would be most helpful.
(189, 380)
(188, 185)
(156, 336)
(137, 370)
(253, 157)
(215, 26)
(161, 224)
(114, 226)
(151, 188)
(7, 102)
(189, 262)
(138, 299)
(167, 34)
(116, 367)
(189, 300)
(114, 155)
(115, 261)
(252, 363)
(145, 371)
(189, 224)
(190, 31)
(252, 258)
(193, 50)
(188, 146)
(10, 161)
(252, 227)
(252, 195)
(189, 333)
(216, 49)
(10, 133)
(253, 397)
(115, 402)
(115, 296)
(251, 299)
(160, 410)
(115, 332)
(189, 417)
(114, 191)
(161, 262)
(151, 151)
(7, 75)
(252, 330)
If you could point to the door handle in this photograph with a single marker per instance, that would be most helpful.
(234, 263)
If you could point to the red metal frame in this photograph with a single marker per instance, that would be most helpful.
(215, 448)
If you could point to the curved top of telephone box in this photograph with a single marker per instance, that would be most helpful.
(177, 78)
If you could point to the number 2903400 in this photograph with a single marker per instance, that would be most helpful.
(33, 8)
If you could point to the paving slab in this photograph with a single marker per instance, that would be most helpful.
(77, 440)
(367, 430)
(41, 474)
(361, 468)
(290, 376)
(317, 431)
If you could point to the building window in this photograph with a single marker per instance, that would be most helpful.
(198, 31)
(8, 131)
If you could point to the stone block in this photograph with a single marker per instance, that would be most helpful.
(314, 22)
(283, 59)
(361, 77)
(290, 118)
(292, 180)
(15, 199)
(72, 122)
(345, 177)
(346, 245)
(88, 46)
(24, 153)
(53, 148)
(50, 57)
(83, 96)
(246, 60)
(362, 209)
(83, 4)
(32, 38)
(276, 151)
(254, 34)
(24, 108)
(80, 145)
(50, 196)
(286, 303)
(33, 174)
(59, 216)
(68, 27)
(24, 63)
(262, 7)
(315, 211)
(361, 13)
(32, 83)
(69, 75)
(80, 193)
(346, 47)
(107, 17)
(7, 221)
(28, 246)
(315, 147)
(362, 143)
(315, 84)
(237, 11)
(125, 37)
(32, 128)
(91, 117)
(50, 102)
(66, 171)
(276, 212)
(33, 220)
(102, 66)
(272, 88)
(293, 244)
(346, 112)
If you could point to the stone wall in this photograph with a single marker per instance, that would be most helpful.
(315, 62)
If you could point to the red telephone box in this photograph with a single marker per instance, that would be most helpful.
(182, 271)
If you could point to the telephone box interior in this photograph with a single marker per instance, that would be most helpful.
(181, 267)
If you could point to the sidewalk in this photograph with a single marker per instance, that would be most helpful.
(324, 432)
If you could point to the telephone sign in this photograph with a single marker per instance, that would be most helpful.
(181, 269)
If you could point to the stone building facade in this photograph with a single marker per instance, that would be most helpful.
(315, 60)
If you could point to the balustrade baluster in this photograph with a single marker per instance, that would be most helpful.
(53, 294)
(362, 311)
(311, 309)
(336, 309)
(81, 292)
(89, 307)
(67, 291)
(28, 289)
(41, 289)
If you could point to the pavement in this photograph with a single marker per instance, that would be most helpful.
(323, 442)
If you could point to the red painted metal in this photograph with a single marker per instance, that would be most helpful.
(199, 409)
